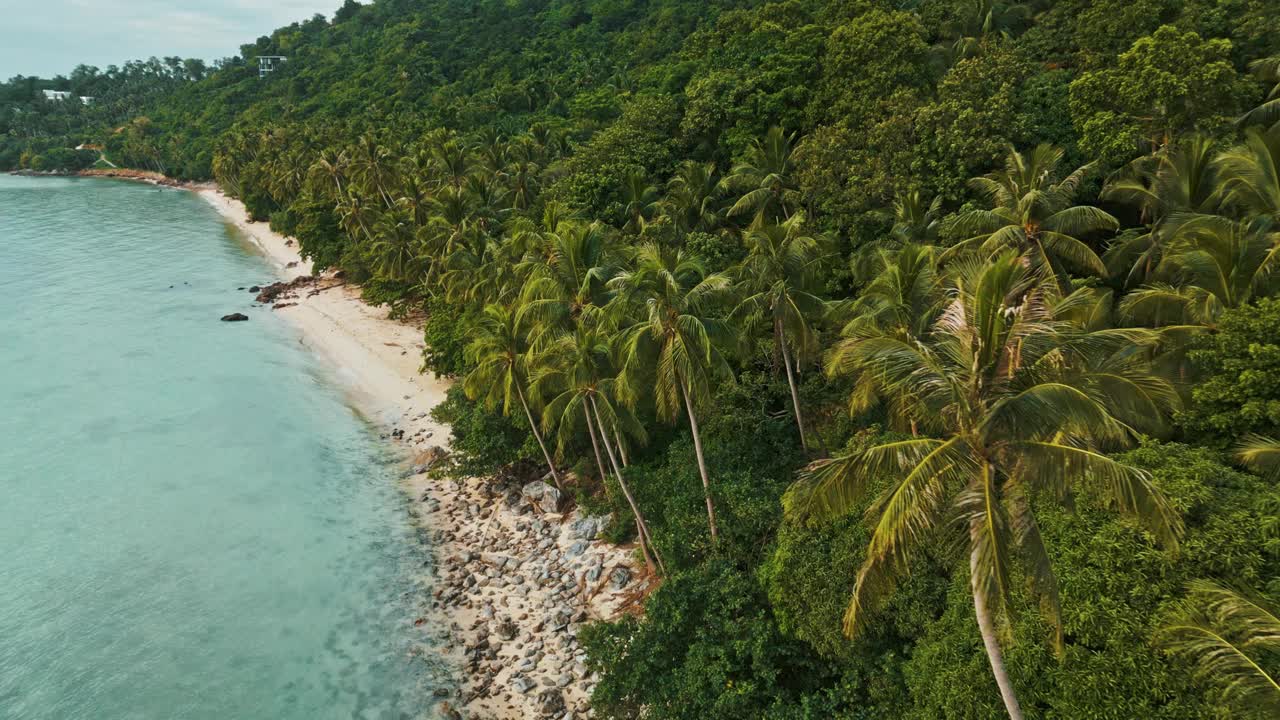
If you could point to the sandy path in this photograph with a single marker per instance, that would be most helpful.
(511, 584)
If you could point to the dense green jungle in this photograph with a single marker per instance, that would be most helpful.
(928, 352)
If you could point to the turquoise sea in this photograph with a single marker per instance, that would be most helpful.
(193, 524)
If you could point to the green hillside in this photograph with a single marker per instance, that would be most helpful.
(898, 315)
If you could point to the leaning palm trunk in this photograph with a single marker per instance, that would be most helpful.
(986, 625)
(642, 527)
(595, 444)
(791, 380)
(702, 463)
(622, 448)
(538, 436)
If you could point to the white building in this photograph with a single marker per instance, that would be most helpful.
(58, 95)
(267, 64)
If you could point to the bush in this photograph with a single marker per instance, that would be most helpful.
(483, 440)
(1114, 584)
(1238, 365)
(707, 648)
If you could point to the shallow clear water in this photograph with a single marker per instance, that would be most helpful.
(192, 522)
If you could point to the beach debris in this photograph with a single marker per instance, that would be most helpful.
(235, 317)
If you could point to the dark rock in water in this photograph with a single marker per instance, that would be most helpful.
(254, 289)
(240, 288)
(235, 317)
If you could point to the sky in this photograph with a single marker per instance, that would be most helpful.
(50, 37)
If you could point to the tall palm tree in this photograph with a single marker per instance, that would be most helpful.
(766, 179)
(640, 201)
(374, 166)
(674, 344)
(452, 160)
(1212, 264)
(693, 199)
(1268, 113)
(1178, 181)
(579, 366)
(779, 281)
(916, 221)
(395, 247)
(903, 300)
(1031, 211)
(1229, 636)
(568, 278)
(1251, 174)
(997, 379)
(500, 355)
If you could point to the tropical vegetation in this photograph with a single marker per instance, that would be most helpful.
(926, 351)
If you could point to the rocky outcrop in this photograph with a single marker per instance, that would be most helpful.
(281, 290)
(542, 496)
(516, 580)
(235, 317)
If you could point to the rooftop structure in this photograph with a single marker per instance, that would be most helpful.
(268, 63)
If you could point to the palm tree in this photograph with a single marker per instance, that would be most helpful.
(568, 279)
(674, 344)
(693, 197)
(452, 160)
(1260, 454)
(766, 177)
(579, 365)
(999, 381)
(499, 353)
(914, 220)
(1251, 174)
(1212, 264)
(1178, 181)
(374, 166)
(330, 168)
(1228, 635)
(395, 247)
(1268, 113)
(978, 20)
(640, 201)
(903, 300)
(779, 279)
(1034, 215)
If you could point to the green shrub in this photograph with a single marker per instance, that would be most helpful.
(1238, 364)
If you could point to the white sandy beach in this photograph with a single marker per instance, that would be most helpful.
(510, 586)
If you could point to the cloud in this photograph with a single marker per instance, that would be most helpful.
(47, 37)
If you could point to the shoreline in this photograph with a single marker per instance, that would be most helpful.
(504, 620)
